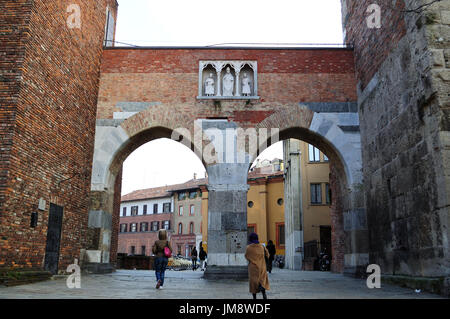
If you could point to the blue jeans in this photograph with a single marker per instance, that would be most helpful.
(160, 268)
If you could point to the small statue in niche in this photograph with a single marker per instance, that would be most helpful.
(246, 86)
(209, 85)
(228, 83)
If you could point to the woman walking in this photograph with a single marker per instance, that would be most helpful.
(257, 271)
(161, 259)
(194, 255)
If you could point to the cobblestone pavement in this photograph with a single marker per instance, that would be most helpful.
(285, 284)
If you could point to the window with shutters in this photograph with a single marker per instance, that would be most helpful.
(316, 194)
(155, 226)
(167, 207)
(144, 227)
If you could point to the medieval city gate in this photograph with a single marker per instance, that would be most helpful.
(400, 71)
(155, 92)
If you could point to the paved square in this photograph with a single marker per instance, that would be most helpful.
(137, 284)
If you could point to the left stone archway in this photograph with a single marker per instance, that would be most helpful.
(115, 140)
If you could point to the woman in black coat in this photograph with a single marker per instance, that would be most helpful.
(272, 251)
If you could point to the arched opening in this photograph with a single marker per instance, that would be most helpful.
(290, 181)
(349, 243)
(138, 215)
(151, 177)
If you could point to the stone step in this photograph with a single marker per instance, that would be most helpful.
(98, 268)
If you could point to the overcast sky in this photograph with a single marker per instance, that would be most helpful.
(213, 22)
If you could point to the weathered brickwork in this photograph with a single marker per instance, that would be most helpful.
(50, 73)
(171, 76)
(14, 23)
(403, 106)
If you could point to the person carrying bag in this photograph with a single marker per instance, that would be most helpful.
(162, 251)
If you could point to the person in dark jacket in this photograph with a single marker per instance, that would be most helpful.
(202, 256)
(194, 256)
(272, 251)
(161, 260)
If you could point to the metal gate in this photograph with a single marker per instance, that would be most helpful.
(53, 238)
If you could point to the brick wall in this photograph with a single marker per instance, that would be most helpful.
(171, 76)
(52, 120)
(14, 23)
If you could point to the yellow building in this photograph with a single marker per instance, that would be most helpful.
(315, 172)
(266, 200)
(265, 207)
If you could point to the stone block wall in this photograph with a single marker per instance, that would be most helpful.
(51, 75)
(403, 106)
(116, 218)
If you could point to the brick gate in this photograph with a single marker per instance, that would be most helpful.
(308, 94)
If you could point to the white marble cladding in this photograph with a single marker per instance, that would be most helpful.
(228, 80)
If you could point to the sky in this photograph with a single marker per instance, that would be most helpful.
(208, 23)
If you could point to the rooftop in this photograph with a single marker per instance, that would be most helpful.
(168, 190)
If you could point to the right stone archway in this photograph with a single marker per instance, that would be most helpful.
(333, 128)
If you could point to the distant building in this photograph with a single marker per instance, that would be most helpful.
(294, 215)
(268, 166)
(142, 214)
(187, 218)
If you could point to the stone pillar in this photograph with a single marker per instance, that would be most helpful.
(236, 93)
(218, 66)
(227, 230)
(293, 213)
(237, 69)
(227, 207)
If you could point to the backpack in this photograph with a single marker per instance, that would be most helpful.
(167, 252)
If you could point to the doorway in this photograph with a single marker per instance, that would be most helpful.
(53, 238)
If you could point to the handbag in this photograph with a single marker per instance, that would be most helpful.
(167, 252)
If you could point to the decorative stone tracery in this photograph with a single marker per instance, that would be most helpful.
(228, 80)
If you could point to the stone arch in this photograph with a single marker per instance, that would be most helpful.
(336, 135)
(114, 142)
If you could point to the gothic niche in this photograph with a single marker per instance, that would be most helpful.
(228, 80)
